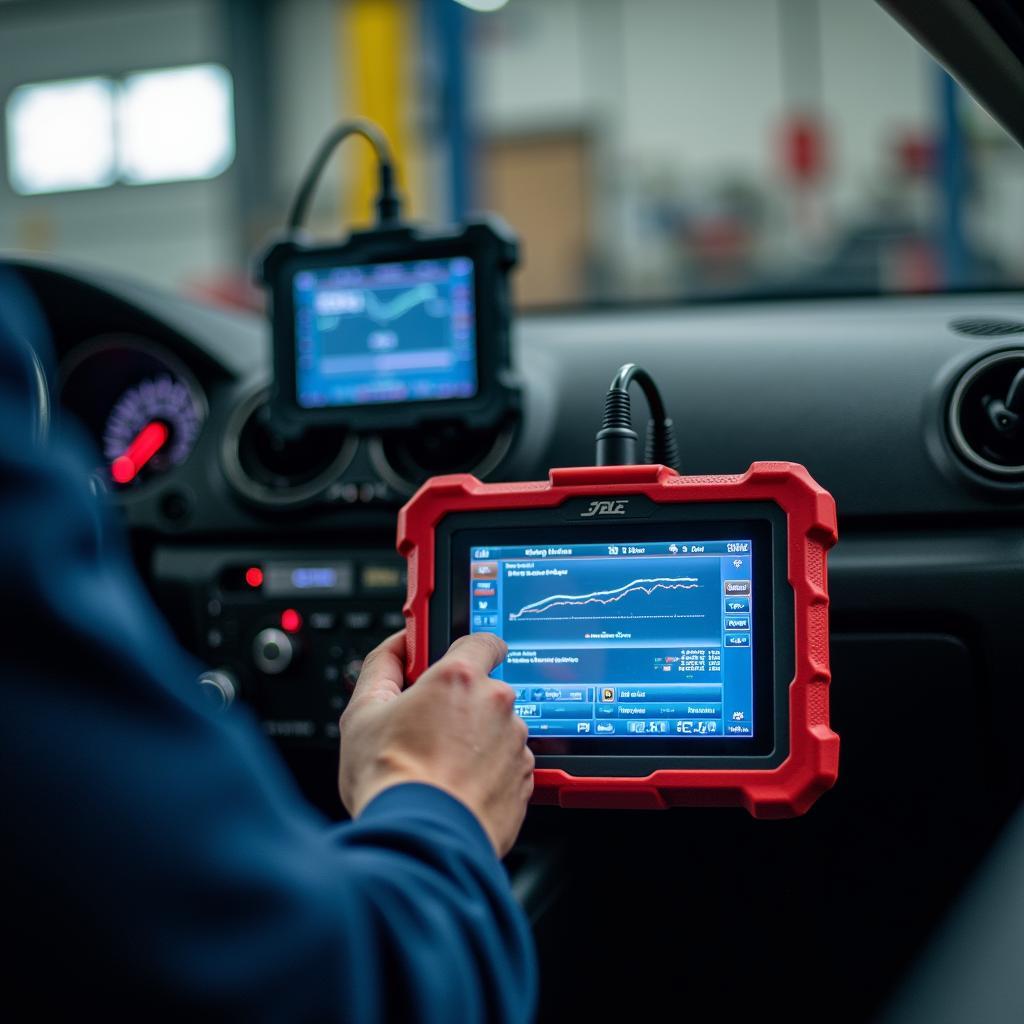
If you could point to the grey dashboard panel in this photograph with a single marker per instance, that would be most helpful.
(853, 389)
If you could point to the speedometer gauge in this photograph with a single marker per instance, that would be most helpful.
(142, 406)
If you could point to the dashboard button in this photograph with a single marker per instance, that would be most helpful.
(357, 620)
(392, 621)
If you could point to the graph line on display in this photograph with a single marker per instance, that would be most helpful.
(385, 311)
(645, 586)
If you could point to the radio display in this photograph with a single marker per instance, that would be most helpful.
(385, 332)
(623, 640)
(281, 579)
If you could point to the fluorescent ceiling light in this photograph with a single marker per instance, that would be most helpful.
(175, 124)
(483, 5)
(60, 136)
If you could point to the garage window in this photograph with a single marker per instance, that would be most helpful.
(171, 124)
(60, 136)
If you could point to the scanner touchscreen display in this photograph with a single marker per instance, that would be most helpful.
(626, 639)
(385, 332)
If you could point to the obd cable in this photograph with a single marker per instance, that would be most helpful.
(617, 440)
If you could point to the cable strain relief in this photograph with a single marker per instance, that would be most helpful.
(617, 410)
(388, 203)
(660, 445)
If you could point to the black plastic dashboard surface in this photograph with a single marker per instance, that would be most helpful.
(854, 389)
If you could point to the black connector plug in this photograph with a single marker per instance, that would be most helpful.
(617, 440)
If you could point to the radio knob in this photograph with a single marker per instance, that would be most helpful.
(219, 687)
(272, 651)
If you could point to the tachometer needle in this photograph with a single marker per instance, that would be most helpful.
(149, 440)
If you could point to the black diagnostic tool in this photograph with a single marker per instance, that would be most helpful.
(397, 325)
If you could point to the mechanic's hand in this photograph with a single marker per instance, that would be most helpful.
(454, 729)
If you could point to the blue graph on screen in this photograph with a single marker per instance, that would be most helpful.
(384, 311)
(606, 597)
(604, 600)
(388, 332)
(349, 329)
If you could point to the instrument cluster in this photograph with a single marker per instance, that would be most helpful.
(141, 404)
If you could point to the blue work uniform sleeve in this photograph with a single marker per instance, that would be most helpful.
(158, 858)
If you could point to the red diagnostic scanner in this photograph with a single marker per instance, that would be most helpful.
(667, 635)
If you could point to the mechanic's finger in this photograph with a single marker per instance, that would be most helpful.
(470, 657)
(521, 730)
(382, 676)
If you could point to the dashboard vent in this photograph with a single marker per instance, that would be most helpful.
(273, 470)
(987, 327)
(986, 416)
(405, 460)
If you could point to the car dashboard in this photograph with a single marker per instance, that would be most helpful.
(274, 561)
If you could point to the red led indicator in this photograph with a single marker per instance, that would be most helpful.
(291, 620)
(254, 576)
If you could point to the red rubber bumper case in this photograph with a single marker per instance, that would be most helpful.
(811, 766)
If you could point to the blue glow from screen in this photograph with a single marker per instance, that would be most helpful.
(632, 640)
(385, 332)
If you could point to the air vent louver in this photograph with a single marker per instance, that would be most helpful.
(987, 326)
(271, 469)
(405, 460)
(986, 416)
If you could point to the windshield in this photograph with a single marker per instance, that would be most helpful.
(643, 150)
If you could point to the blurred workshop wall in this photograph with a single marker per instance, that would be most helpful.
(552, 216)
(169, 233)
(643, 149)
(683, 102)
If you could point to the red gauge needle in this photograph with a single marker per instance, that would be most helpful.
(149, 440)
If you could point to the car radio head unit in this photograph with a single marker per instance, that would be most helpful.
(395, 327)
(667, 636)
